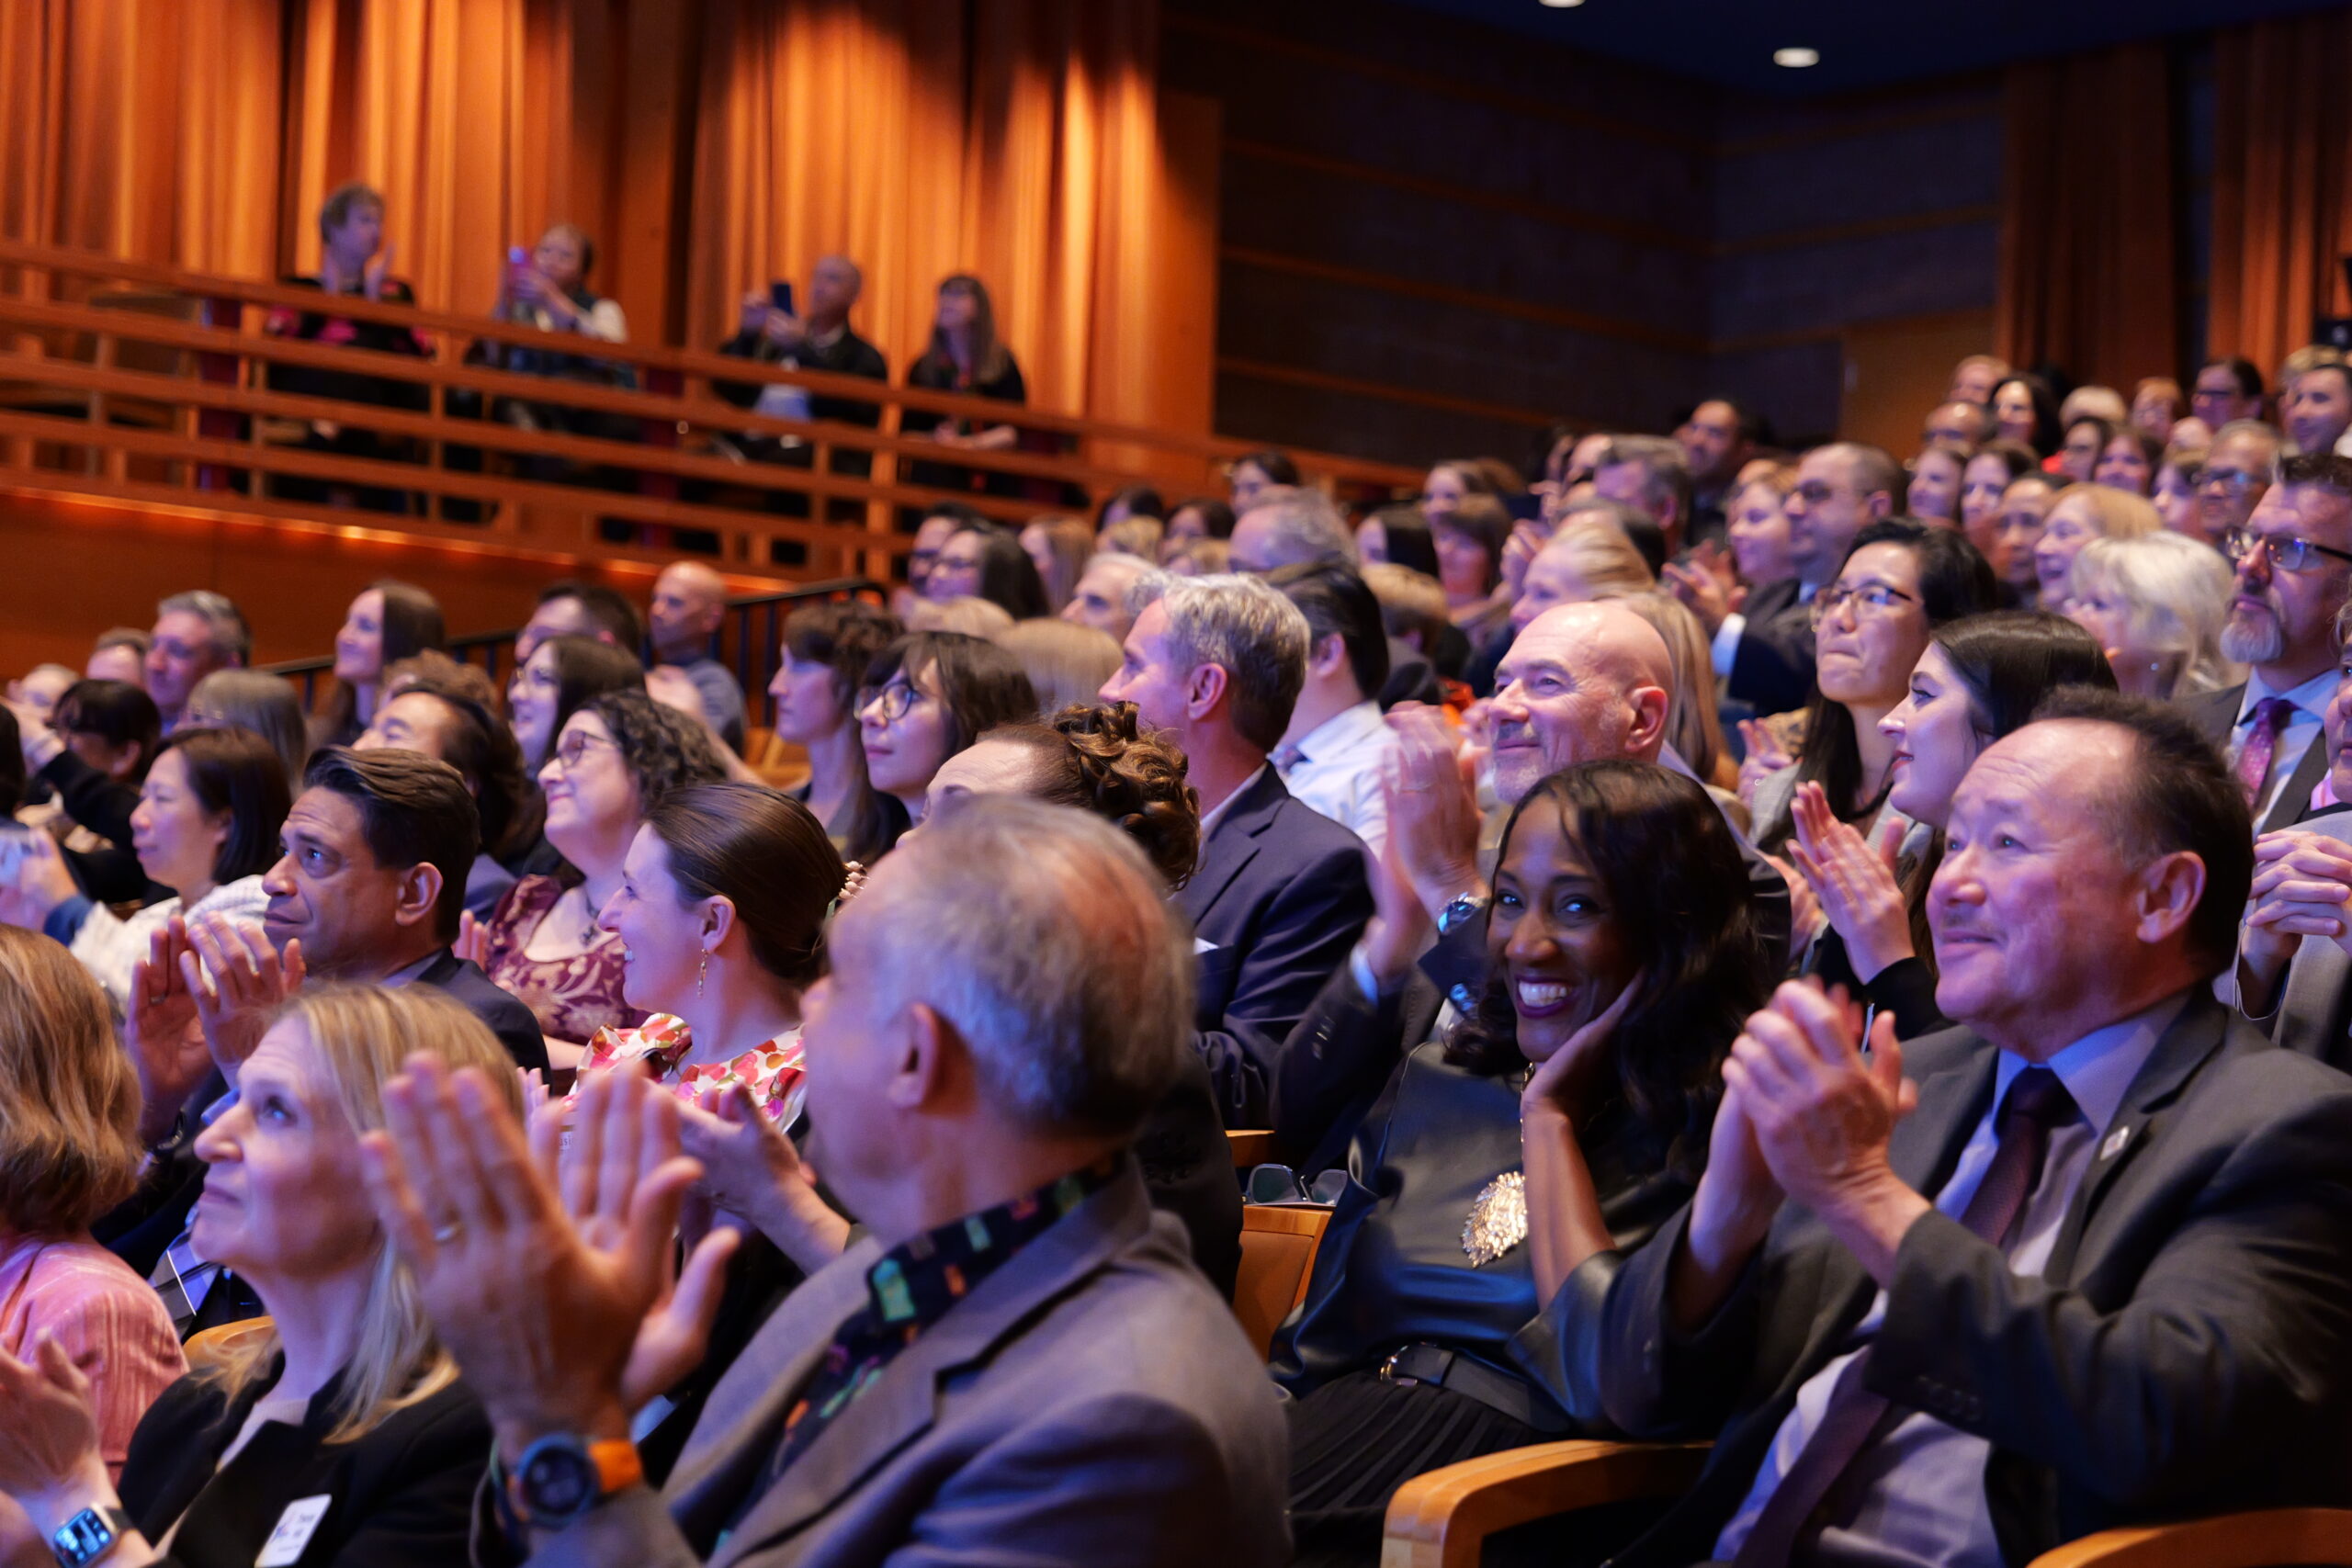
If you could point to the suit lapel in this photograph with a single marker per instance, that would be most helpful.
(2294, 797)
(2215, 714)
(1232, 844)
(2311, 1014)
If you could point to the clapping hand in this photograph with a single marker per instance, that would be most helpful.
(1526, 542)
(49, 1461)
(1707, 584)
(167, 1048)
(1431, 790)
(239, 983)
(751, 1170)
(473, 939)
(1853, 880)
(43, 881)
(1766, 756)
(372, 275)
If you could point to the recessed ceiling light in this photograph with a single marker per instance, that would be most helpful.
(1561, 4)
(1796, 58)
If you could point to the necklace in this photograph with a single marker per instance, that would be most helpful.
(1498, 1219)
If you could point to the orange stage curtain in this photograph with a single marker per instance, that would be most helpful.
(2282, 183)
(1016, 139)
(2088, 232)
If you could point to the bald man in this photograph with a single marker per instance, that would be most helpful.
(689, 602)
(816, 338)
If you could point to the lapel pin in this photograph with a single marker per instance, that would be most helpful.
(2115, 1142)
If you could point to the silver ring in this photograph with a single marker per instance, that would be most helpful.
(449, 1233)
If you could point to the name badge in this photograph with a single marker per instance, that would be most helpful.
(295, 1527)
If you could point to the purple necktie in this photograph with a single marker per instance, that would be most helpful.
(2269, 717)
(1791, 1518)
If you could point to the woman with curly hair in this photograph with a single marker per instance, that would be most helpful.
(1515, 1155)
(616, 758)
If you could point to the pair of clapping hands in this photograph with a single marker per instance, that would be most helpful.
(202, 997)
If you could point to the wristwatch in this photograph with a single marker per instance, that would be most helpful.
(1461, 907)
(89, 1535)
(560, 1478)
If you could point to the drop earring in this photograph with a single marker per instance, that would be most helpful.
(702, 971)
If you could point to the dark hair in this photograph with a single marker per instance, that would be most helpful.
(2106, 428)
(2178, 795)
(242, 773)
(413, 810)
(2328, 471)
(939, 355)
(12, 762)
(265, 704)
(1216, 516)
(2015, 455)
(1337, 604)
(1009, 578)
(586, 669)
(2045, 409)
(1143, 500)
(1406, 535)
(847, 635)
(1672, 880)
(486, 753)
(662, 749)
(1275, 465)
(761, 851)
(2242, 371)
(606, 609)
(1102, 760)
(335, 211)
(1485, 519)
(1955, 580)
(980, 686)
(2152, 451)
(116, 712)
(131, 638)
(1752, 427)
(957, 513)
(413, 623)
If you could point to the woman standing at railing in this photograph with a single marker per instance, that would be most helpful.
(965, 357)
(390, 622)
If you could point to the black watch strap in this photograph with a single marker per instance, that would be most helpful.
(89, 1536)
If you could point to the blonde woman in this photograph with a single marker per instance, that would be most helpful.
(1586, 559)
(2077, 514)
(1692, 728)
(347, 1394)
(964, 614)
(1066, 662)
(2156, 604)
(1059, 548)
(69, 1151)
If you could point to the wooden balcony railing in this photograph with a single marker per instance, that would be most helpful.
(141, 382)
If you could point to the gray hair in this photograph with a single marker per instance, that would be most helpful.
(1666, 467)
(224, 622)
(1305, 526)
(2177, 597)
(1046, 940)
(1243, 626)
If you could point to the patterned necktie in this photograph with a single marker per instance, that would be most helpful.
(1286, 757)
(1790, 1518)
(2269, 717)
(184, 1279)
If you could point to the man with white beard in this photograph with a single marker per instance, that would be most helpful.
(2293, 556)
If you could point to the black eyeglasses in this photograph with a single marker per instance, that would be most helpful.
(893, 701)
(1877, 596)
(2286, 554)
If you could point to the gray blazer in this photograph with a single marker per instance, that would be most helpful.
(1092, 1403)
(2187, 1351)
(2215, 715)
(2312, 1013)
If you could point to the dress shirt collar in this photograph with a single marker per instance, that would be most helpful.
(409, 972)
(1349, 728)
(1215, 814)
(2310, 698)
(2099, 1068)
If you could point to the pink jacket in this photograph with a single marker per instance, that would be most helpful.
(108, 1318)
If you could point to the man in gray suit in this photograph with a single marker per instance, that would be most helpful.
(2076, 1264)
(1016, 1363)
(2294, 568)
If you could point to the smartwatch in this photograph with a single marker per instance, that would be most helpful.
(1461, 907)
(89, 1535)
(560, 1478)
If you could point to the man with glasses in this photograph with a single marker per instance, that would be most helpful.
(2236, 469)
(1765, 653)
(2227, 390)
(2293, 556)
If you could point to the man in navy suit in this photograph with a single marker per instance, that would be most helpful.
(1280, 894)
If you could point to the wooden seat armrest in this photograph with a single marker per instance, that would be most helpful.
(2269, 1538)
(1252, 1147)
(1442, 1519)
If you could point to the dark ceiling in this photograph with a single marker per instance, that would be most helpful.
(1862, 43)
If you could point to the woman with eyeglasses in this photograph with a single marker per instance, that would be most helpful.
(2078, 514)
(1978, 679)
(617, 758)
(931, 695)
(1901, 580)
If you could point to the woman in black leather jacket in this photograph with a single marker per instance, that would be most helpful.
(1454, 1294)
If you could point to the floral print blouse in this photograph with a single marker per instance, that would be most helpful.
(772, 1072)
(572, 997)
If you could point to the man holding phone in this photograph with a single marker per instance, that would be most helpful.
(816, 338)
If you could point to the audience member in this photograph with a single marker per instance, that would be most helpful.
(2156, 604)
(1448, 484)
(1399, 535)
(571, 608)
(617, 758)
(1470, 541)
(1290, 528)
(346, 1387)
(2024, 507)
(1978, 679)
(932, 693)
(35, 691)
(1066, 663)
(451, 719)
(2078, 453)
(1249, 478)
(69, 1151)
(1216, 664)
(549, 290)
(1932, 495)
(2156, 407)
(196, 633)
(1140, 537)
(389, 622)
(1004, 1007)
(1974, 378)
(1196, 557)
(2225, 391)
(1757, 530)
(555, 679)
(2174, 489)
(2316, 398)
(2027, 1313)
(1131, 502)
(939, 524)
(1203, 517)
(689, 606)
(1653, 476)
(1717, 437)
(963, 614)
(2093, 401)
(985, 560)
(1101, 599)
(821, 338)
(820, 670)
(1695, 731)
(1412, 609)
(966, 357)
(1454, 1306)
(1059, 548)
(1958, 424)
(2294, 568)
(1584, 560)
(118, 654)
(268, 706)
(2079, 514)
(1983, 481)
(2026, 412)
(101, 740)
(1336, 743)
(2129, 461)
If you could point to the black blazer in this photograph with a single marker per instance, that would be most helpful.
(402, 1495)
(1772, 668)
(2187, 1350)
(508, 1018)
(1280, 896)
(2215, 715)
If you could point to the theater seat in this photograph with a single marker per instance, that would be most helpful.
(1443, 1519)
(1278, 1248)
(215, 1345)
(1250, 1149)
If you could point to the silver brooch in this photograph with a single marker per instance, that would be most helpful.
(1498, 1219)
